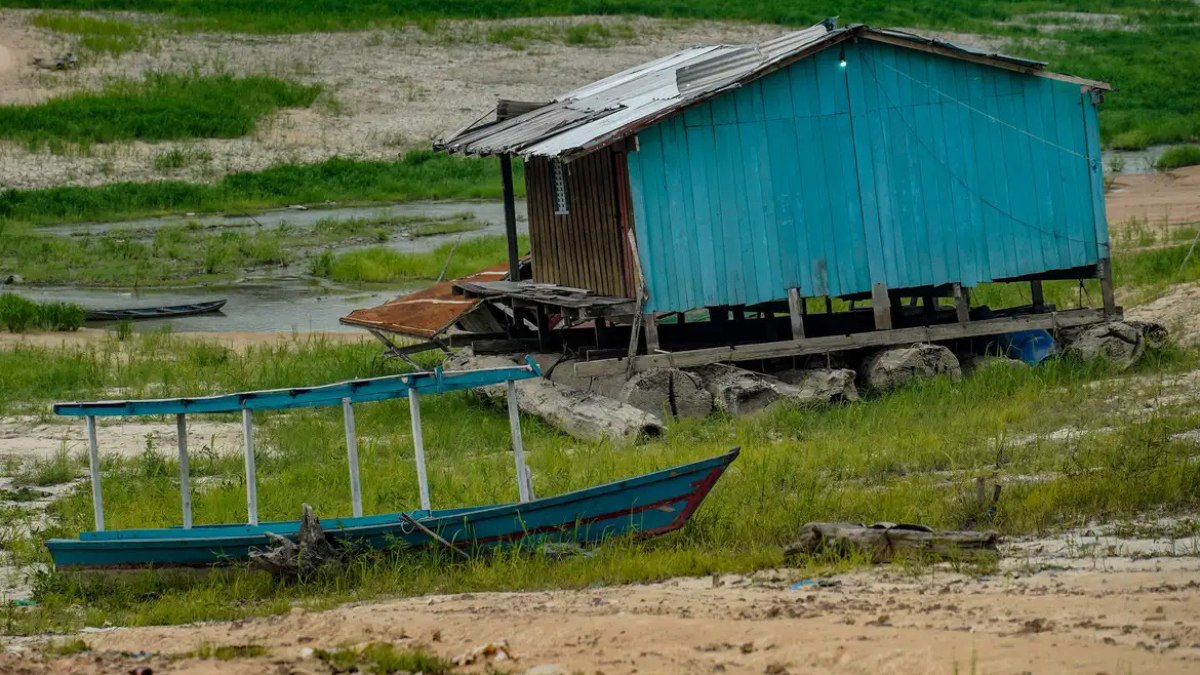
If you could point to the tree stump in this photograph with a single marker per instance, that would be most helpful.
(890, 368)
(1117, 342)
(820, 386)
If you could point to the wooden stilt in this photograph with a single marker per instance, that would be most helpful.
(881, 305)
(650, 329)
(1035, 292)
(356, 504)
(796, 311)
(185, 489)
(94, 468)
(251, 478)
(1106, 288)
(510, 218)
(962, 303)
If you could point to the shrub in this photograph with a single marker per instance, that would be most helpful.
(18, 314)
(66, 316)
(1180, 155)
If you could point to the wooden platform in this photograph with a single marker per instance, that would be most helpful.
(577, 304)
(834, 343)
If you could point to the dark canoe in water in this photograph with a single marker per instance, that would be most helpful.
(155, 312)
(643, 506)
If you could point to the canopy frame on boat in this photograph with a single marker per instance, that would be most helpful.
(345, 394)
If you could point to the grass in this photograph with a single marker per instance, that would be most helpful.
(182, 254)
(1180, 155)
(162, 107)
(418, 175)
(18, 314)
(1149, 54)
(382, 658)
(450, 260)
(229, 652)
(110, 37)
(897, 457)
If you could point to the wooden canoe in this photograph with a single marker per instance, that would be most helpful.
(167, 312)
(643, 506)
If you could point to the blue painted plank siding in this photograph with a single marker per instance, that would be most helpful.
(902, 167)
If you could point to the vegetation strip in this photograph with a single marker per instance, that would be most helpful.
(419, 174)
(162, 107)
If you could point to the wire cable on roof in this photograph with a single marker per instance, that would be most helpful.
(961, 181)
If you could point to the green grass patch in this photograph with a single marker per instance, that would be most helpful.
(897, 457)
(384, 658)
(229, 652)
(181, 254)
(162, 107)
(110, 37)
(450, 260)
(66, 648)
(1180, 155)
(418, 175)
(19, 314)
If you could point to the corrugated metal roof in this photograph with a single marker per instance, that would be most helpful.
(424, 314)
(617, 106)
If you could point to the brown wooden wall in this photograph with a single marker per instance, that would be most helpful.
(585, 248)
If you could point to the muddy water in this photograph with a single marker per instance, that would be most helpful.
(272, 302)
(1132, 161)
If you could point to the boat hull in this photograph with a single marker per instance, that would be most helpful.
(154, 312)
(643, 506)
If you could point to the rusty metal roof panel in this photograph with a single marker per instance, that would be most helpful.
(620, 105)
(424, 314)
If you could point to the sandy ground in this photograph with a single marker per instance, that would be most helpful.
(390, 90)
(1171, 197)
(1077, 603)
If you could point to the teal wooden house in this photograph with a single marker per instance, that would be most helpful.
(855, 163)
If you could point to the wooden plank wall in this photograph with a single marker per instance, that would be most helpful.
(586, 247)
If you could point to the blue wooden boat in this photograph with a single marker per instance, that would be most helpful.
(643, 506)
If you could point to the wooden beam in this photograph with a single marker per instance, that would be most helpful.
(510, 218)
(796, 311)
(819, 345)
(962, 303)
(881, 305)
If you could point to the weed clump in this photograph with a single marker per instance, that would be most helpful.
(1180, 155)
(19, 314)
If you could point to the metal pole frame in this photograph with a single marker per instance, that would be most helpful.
(524, 481)
(251, 481)
(185, 487)
(352, 458)
(94, 466)
(414, 410)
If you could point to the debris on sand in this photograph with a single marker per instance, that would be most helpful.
(292, 560)
(880, 542)
(66, 61)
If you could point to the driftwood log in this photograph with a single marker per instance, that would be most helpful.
(298, 559)
(584, 415)
(882, 541)
(667, 391)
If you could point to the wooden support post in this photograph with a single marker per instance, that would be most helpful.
(185, 487)
(962, 303)
(929, 306)
(1106, 288)
(251, 479)
(510, 218)
(414, 410)
(1035, 292)
(524, 483)
(356, 505)
(650, 328)
(881, 305)
(828, 305)
(796, 311)
(718, 314)
(739, 314)
(94, 467)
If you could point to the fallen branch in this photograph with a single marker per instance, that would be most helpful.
(298, 559)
